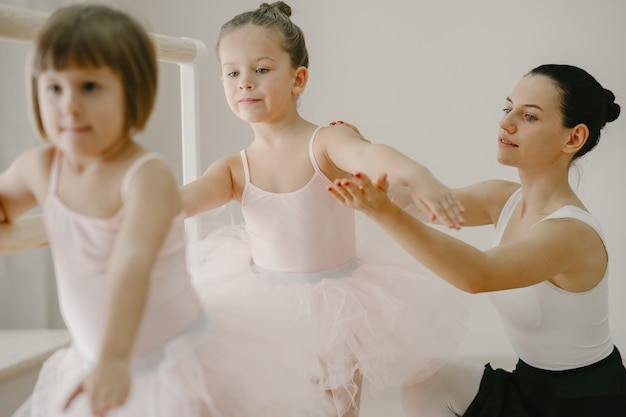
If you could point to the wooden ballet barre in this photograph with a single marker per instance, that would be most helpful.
(23, 25)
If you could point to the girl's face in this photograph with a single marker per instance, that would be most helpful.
(259, 82)
(83, 110)
(531, 129)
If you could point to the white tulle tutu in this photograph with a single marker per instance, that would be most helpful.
(384, 315)
(231, 363)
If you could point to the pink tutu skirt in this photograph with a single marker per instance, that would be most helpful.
(223, 366)
(382, 317)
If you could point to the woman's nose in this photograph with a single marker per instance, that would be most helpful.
(506, 123)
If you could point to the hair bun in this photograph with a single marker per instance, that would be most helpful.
(612, 108)
(277, 6)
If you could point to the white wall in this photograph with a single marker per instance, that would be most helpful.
(430, 78)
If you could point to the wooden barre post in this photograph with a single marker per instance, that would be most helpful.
(23, 24)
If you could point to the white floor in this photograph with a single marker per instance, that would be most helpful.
(390, 403)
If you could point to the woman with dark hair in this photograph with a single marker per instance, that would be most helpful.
(547, 271)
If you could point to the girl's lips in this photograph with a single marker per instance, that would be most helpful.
(76, 129)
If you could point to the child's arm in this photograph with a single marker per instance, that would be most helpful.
(25, 233)
(345, 149)
(152, 202)
(213, 189)
(24, 183)
(22, 186)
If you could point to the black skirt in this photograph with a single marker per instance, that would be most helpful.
(597, 390)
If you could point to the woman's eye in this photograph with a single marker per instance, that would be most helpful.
(232, 74)
(262, 70)
(530, 117)
(54, 88)
(506, 110)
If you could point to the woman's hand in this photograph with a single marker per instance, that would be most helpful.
(107, 387)
(435, 200)
(360, 193)
(438, 203)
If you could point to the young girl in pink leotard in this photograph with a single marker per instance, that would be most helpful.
(142, 343)
(371, 310)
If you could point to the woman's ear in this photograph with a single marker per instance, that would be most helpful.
(301, 76)
(577, 138)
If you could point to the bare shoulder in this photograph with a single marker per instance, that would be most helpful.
(339, 146)
(156, 171)
(33, 167)
(483, 201)
(329, 135)
(576, 247)
(39, 158)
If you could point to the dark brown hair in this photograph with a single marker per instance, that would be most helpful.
(583, 100)
(276, 18)
(95, 36)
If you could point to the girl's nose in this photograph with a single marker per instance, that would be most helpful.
(245, 83)
(72, 102)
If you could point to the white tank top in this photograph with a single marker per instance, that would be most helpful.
(551, 328)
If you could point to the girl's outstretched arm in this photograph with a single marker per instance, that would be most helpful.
(345, 149)
(213, 189)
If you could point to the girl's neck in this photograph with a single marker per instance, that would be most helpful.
(122, 149)
(276, 133)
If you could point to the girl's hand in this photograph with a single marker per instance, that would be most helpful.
(107, 386)
(360, 193)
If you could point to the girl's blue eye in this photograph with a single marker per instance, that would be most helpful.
(232, 74)
(506, 110)
(262, 70)
(530, 117)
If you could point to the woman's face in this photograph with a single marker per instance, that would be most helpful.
(531, 130)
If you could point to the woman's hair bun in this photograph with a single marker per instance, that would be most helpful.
(612, 108)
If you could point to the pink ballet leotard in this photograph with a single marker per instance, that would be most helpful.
(369, 307)
(81, 247)
(189, 360)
